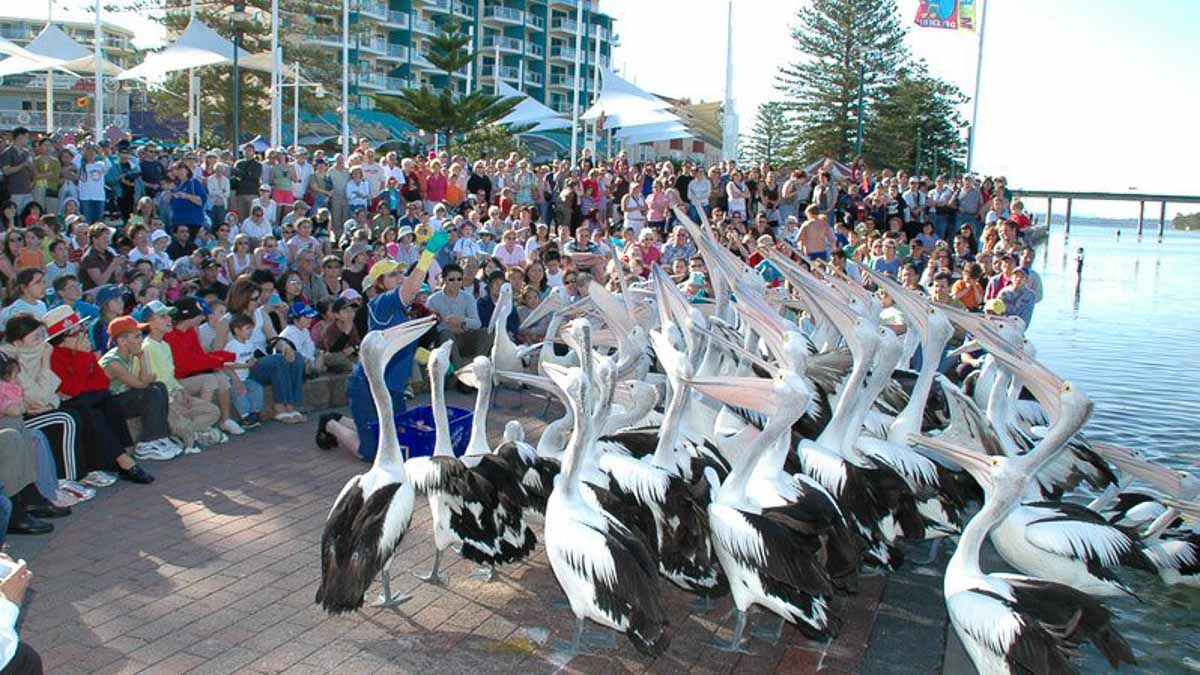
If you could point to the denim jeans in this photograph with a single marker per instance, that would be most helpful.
(5, 513)
(47, 468)
(286, 378)
(251, 401)
(92, 210)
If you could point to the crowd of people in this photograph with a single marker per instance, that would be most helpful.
(149, 295)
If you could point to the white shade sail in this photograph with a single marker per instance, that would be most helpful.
(659, 135)
(28, 60)
(642, 129)
(530, 111)
(620, 97)
(197, 46)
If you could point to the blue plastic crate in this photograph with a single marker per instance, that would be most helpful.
(418, 435)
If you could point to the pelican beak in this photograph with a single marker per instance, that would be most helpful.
(611, 309)
(672, 359)
(751, 393)
(399, 337)
(914, 308)
(536, 381)
(1190, 509)
(561, 376)
(1132, 462)
(976, 464)
(552, 303)
(475, 372)
(672, 306)
(740, 351)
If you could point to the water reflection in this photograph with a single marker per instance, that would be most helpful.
(1129, 343)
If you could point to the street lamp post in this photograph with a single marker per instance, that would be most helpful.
(238, 15)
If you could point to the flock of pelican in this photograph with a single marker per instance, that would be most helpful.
(734, 451)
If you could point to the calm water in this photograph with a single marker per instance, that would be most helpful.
(1127, 334)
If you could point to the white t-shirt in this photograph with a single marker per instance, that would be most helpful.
(302, 340)
(243, 353)
(91, 181)
(555, 280)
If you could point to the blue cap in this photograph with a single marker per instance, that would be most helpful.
(301, 309)
(108, 292)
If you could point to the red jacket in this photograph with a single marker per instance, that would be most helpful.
(190, 357)
(80, 372)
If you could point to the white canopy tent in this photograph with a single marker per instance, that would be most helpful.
(198, 46)
(51, 50)
(620, 97)
(530, 111)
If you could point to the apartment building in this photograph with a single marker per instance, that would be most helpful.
(529, 44)
(23, 97)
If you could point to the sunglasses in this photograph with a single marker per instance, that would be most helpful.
(454, 278)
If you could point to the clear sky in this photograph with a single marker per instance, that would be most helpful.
(1076, 94)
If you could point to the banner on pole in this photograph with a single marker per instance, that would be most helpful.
(945, 14)
(966, 15)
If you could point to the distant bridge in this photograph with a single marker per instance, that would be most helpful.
(1139, 197)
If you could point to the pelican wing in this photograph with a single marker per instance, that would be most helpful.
(436, 474)
(993, 622)
(1079, 533)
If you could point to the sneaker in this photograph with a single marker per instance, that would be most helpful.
(191, 450)
(98, 479)
(76, 489)
(171, 446)
(252, 421)
(220, 436)
(326, 440)
(232, 428)
(64, 499)
(156, 450)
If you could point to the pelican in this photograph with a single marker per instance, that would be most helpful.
(605, 569)
(372, 512)
(504, 353)
(1012, 623)
(772, 552)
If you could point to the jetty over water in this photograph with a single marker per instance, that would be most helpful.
(1139, 197)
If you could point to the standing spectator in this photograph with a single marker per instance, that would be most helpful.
(153, 173)
(219, 194)
(47, 173)
(91, 185)
(968, 202)
(247, 176)
(16, 163)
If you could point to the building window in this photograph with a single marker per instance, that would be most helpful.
(698, 146)
(677, 144)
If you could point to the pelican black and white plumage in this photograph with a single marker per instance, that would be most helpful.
(1011, 623)
(372, 512)
(773, 539)
(1173, 549)
(606, 569)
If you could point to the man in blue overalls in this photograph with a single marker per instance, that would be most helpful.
(389, 308)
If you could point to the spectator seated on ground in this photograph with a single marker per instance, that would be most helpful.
(202, 374)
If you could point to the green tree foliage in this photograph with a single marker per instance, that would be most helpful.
(834, 38)
(918, 105)
(445, 112)
(491, 141)
(770, 139)
(307, 19)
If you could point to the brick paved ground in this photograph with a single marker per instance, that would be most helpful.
(212, 569)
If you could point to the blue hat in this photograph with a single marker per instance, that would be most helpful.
(108, 292)
(301, 309)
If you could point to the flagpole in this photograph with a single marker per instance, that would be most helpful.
(346, 79)
(978, 76)
(471, 50)
(49, 75)
(193, 133)
(276, 76)
(99, 78)
(575, 93)
(729, 117)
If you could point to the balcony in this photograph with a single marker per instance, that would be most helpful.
(62, 120)
(398, 84)
(506, 73)
(563, 53)
(534, 49)
(397, 19)
(374, 9)
(396, 53)
(505, 43)
(426, 26)
(19, 33)
(372, 81)
(560, 105)
(437, 5)
(565, 25)
(535, 22)
(419, 60)
(562, 80)
(375, 46)
(504, 14)
(533, 79)
(465, 10)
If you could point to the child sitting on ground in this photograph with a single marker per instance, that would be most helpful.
(247, 394)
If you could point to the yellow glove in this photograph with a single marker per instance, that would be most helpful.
(425, 261)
